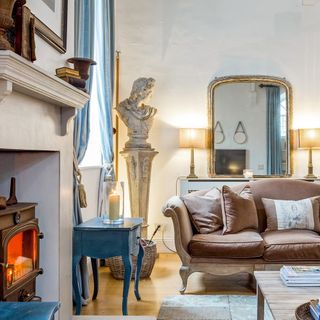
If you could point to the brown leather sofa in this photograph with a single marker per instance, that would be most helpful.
(247, 250)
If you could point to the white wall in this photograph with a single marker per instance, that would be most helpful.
(184, 44)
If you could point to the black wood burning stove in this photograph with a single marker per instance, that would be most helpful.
(19, 252)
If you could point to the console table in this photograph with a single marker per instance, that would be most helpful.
(100, 241)
(186, 185)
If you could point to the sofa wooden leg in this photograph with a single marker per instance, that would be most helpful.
(184, 274)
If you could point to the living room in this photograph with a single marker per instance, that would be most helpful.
(144, 106)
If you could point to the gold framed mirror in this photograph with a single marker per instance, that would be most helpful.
(253, 114)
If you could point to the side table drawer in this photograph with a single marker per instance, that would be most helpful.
(134, 240)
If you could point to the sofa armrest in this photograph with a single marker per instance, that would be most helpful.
(183, 233)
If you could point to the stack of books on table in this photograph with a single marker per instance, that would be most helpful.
(300, 276)
(315, 309)
(71, 76)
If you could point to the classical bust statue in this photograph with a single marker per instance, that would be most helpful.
(136, 115)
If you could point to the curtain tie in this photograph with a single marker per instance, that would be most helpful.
(81, 190)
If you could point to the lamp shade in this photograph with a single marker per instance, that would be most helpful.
(309, 138)
(192, 138)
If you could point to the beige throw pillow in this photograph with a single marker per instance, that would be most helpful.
(291, 214)
(238, 210)
(205, 211)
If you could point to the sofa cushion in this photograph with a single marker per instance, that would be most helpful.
(291, 245)
(205, 210)
(245, 244)
(292, 214)
(238, 210)
(280, 188)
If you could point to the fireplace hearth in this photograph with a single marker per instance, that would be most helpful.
(19, 252)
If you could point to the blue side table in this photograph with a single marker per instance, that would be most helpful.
(28, 310)
(99, 241)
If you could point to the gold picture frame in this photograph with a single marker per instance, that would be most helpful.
(59, 42)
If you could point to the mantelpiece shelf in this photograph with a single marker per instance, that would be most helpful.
(18, 74)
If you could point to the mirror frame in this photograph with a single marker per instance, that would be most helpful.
(211, 120)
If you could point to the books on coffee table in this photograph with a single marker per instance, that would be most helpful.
(300, 276)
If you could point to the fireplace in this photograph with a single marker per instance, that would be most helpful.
(36, 148)
(19, 252)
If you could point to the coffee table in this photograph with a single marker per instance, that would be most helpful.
(282, 300)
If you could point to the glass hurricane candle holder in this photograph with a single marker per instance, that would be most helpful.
(113, 202)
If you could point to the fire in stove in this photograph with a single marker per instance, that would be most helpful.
(19, 255)
(22, 254)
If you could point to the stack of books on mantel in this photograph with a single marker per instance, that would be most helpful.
(315, 309)
(300, 276)
(71, 76)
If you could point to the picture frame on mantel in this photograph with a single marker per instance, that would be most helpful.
(55, 13)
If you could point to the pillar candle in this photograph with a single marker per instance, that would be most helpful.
(114, 206)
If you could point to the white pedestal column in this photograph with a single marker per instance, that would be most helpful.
(139, 163)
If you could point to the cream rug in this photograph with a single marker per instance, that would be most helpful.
(213, 307)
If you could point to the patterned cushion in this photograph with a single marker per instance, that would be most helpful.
(292, 214)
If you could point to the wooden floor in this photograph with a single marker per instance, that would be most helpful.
(164, 281)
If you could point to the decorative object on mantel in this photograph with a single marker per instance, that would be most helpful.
(218, 133)
(24, 31)
(71, 76)
(12, 197)
(192, 138)
(82, 65)
(309, 139)
(240, 136)
(3, 203)
(6, 23)
(67, 72)
(138, 117)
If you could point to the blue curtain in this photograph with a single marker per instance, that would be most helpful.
(94, 38)
(274, 149)
(105, 78)
(84, 47)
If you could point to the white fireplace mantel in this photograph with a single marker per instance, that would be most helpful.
(35, 108)
(19, 74)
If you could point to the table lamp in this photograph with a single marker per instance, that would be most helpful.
(192, 138)
(309, 139)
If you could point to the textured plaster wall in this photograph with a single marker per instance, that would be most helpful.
(184, 44)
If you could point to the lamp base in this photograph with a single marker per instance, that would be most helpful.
(310, 176)
(192, 176)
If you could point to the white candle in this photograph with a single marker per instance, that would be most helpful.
(114, 206)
